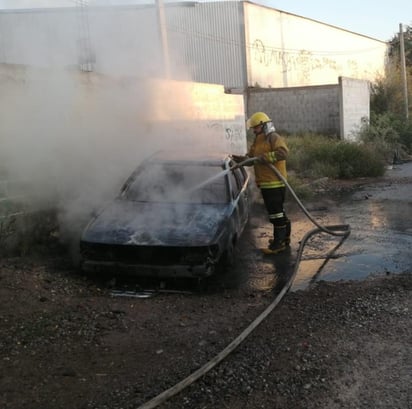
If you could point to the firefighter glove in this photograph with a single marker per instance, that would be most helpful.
(239, 158)
(268, 157)
(271, 157)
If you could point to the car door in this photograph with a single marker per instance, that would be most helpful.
(243, 204)
(240, 197)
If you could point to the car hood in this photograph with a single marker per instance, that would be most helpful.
(157, 224)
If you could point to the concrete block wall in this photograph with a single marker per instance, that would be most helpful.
(299, 109)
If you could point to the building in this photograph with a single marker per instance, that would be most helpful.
(240, 45)
(235, 44)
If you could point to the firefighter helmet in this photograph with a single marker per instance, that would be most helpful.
(258, 118)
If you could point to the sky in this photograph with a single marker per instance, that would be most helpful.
(368, 17)
(379, 20)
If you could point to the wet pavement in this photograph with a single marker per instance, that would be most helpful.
(380, 219)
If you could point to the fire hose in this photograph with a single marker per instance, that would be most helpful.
(342, 230)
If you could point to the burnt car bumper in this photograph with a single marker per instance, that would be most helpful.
(154, 271)
(150, 261)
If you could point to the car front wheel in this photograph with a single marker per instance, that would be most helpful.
(228, 257)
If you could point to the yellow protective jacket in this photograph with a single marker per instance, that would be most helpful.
(274, 147)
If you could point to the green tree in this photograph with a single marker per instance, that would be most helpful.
(387, 92)
(387, 125)
(394, 48)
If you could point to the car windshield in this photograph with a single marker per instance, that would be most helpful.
(178, 183)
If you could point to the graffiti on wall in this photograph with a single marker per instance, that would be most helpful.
(302, 62)
(231, 133)
(235, 136)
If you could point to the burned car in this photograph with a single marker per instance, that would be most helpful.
(175, 216)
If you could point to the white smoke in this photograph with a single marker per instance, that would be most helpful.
(75, 136)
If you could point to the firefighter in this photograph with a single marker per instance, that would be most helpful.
(270, 147)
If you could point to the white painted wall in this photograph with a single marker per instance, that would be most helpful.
(354, 106)
(48, 115)
(285, 50)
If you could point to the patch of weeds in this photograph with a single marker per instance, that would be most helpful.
(314, 156)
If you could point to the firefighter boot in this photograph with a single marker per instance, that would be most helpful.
(288, 232)
(279, 242)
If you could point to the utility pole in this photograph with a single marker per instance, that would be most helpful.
(87, 57)
(161, 21)
(403, 71)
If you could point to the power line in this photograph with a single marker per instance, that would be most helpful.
(233, 42)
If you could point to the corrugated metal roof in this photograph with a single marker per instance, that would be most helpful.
(208, 38)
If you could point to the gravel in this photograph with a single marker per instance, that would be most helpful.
(65, 342)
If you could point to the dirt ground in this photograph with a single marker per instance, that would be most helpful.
(67, 342)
